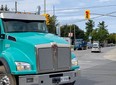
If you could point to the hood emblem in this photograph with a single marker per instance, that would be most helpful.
(54, 47)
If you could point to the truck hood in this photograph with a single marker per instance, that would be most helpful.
(23, 49)
(37, 38)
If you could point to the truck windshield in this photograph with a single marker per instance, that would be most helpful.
(24, 26)
(95, 45)
(79, 40)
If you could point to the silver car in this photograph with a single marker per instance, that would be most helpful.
(96, 48)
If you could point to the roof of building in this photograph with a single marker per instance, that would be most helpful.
(21, 16)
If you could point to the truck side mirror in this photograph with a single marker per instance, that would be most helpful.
(2, 36)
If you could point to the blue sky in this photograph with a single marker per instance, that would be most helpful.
(71, 16)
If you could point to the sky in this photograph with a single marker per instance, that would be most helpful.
(71, 11)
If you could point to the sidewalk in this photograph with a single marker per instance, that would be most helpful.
(111, 55)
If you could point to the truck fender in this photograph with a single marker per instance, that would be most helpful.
(12, 55)
(5, 64)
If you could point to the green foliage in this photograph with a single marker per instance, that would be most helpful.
(94, 35)
(100, 33)
(89, 28)
(112, 38)
(101, 25)
(65, 29)
(53, 24)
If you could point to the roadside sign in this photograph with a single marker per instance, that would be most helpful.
(90, 37)
(70, 34)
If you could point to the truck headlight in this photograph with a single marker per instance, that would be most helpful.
(74, 62)
(22, 66)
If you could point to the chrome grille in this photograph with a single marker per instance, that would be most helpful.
(64, 59)
(49, 60)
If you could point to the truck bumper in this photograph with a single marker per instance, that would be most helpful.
(61, 78)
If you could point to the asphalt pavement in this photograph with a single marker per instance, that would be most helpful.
(97, 68)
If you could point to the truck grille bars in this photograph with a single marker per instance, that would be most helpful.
(53, 57)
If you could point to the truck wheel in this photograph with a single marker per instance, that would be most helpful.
(85, 48)
(74, 48)
(82, 48)
(5, 78)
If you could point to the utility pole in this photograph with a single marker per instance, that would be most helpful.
(44, 6)
(70, 31)
(74, 35)
(53, 10)
(115, 39)
(70, 35)
(16, 6)
(38, 10)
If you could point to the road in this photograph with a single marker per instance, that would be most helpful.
(97, 68)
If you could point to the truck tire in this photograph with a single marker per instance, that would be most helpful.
(82, 48)
(74, 49)
(5, 78)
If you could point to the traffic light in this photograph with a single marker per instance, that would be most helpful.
(87, 14)
(47, 16)
(47, 19)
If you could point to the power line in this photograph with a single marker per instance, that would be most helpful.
(100, 15)
(104, 15)
(92, 7)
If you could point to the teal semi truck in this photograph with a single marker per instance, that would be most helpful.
(29, 55)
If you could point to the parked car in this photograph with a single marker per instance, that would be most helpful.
(96, 47)
(89, 45)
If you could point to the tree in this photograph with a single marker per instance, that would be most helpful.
(53, 25)
(89, 28)
(94, 35)
(65, 30)
(102, 31)
(102, 25)
(112, 38)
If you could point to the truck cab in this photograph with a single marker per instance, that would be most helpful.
(29, 55)
(80, 44)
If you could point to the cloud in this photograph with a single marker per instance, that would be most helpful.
(53, 2)
(104, 0)
(9, 1)
(81, 4)
(67, 11)
(74, 18)
(70, 18)
(30, 5)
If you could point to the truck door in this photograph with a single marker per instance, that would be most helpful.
(2, 36)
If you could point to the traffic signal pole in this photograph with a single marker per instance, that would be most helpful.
(44, 6)
(74, 35)
(16, 6)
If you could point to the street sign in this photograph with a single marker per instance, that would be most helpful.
(70, 34)
(90, 37)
